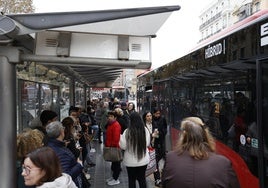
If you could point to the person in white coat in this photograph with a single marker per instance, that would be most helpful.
(41, 168)
(135, 141)
(64, 180)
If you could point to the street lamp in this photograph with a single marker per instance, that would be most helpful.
(125, 86)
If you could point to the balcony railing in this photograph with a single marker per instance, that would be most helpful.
(218, 15)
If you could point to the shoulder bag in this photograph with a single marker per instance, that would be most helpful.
(112, 154)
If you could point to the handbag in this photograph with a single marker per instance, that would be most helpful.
(151, 167)
(112, 154)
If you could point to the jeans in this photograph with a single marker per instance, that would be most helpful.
(95, 129)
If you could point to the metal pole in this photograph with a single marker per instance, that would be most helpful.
(261, 163)
(125, 86)
(8, 125)
(85, 97)
(82, 61)
(72, 92)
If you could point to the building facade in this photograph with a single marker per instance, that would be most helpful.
(221, 14)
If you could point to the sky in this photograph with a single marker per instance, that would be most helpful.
(177, 36)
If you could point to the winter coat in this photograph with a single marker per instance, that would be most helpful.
(68, 162)
(159, 143)
(130, 159)
(113, 134)
(72, 147)
(64, 181)
(123, 123)
(103, 121)
(185, 171)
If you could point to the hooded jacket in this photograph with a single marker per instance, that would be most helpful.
(64, 181)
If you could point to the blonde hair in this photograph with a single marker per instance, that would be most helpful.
(119, 111)
(28, 141)
(195, 138)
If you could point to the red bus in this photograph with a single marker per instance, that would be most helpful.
(224, 78)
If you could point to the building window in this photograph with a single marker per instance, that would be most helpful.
(211, 30)
(257, 6)
(224, 22)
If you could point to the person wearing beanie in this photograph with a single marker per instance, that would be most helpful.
(40, 123)
(123, 104)
(48, 116)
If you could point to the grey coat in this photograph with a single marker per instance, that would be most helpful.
(186, 172)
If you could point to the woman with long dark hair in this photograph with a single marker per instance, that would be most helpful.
(68, 124)
(135, 140)
(150, 125)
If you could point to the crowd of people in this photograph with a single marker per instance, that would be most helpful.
(51, 153)
(70, 142)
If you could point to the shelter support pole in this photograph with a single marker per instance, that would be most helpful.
(8, 125)
(72, 92)
(85, 96)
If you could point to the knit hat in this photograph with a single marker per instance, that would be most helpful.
(46, 116)
(123, 104)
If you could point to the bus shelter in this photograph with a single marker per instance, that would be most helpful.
(90, 47)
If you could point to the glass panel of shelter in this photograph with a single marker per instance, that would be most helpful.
(33, 99)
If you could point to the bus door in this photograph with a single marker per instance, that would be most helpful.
(262, 121)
